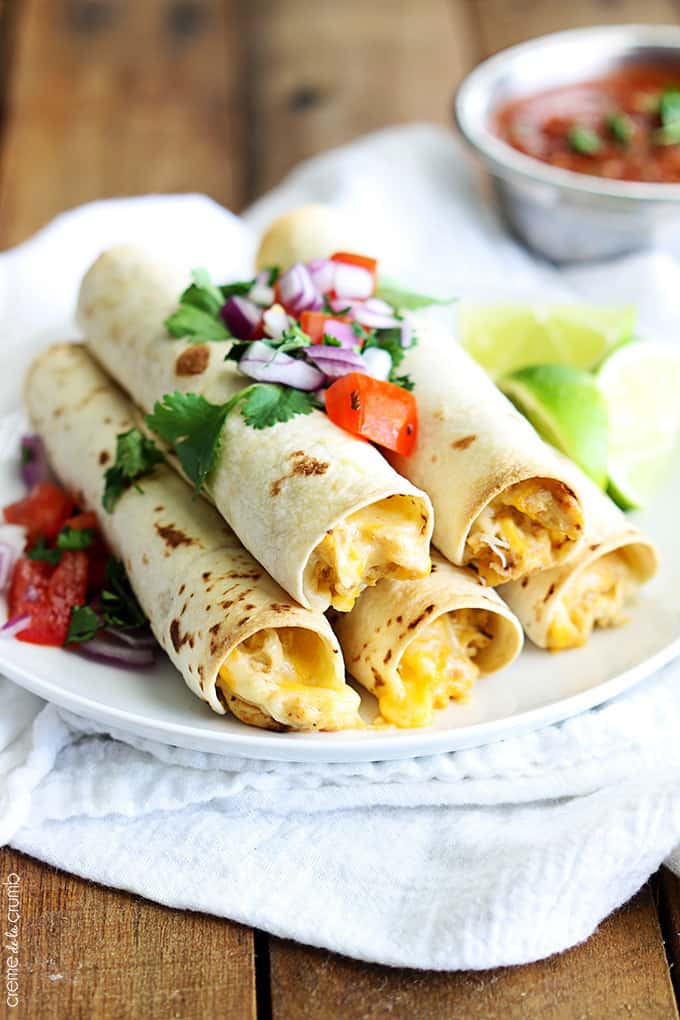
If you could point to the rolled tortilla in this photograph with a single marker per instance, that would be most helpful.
(503, 503)
(232, 632)
(559, 608)
(418, 644)
(322, 511)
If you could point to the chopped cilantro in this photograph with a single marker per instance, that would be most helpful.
(621, 127)
(41, 551)
(265, 404)
(390, 340)
(83, 625)
(75, 538)
(399, 297)
(291, 339)
(584, 140)
(330, 341)
(120, 607)
(135, 456)
(194, 428)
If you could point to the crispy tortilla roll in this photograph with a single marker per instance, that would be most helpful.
(560, 608)
(232, 632)
(503, 504)
(418, 644)
(323, 512)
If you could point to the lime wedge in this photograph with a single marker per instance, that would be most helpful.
(567, 409)
(503, 338)
(641, 384)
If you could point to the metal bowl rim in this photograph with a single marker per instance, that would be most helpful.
(509, 162)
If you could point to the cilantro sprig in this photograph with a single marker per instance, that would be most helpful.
(119, 608)
(194, 426)
(83, 625)
(136, 456)
(402, 298)
(68, 540)
(199, 316)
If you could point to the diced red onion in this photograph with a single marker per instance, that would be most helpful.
(378, 362)
(262, 363)
(406, 339)
(15, 626)
(297, 291)
(275, 321)
(261, 292)
(134, 638)
(335, 362)
(109, 650)
(322, 272)
(375, 313)
(352, 281)
(341, 331)
(241, 317)
(34, 466)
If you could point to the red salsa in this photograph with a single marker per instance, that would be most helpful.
(625, 126)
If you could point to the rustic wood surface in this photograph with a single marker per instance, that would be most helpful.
(108, 97)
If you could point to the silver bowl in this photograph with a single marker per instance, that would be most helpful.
(563, 215)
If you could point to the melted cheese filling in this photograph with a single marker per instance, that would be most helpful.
(437, 666)
(386, 539)
(594, 599)
(527, 528)
(286, 673)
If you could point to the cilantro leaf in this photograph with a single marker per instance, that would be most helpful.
(41, 551)
(330, 341)
(83, 625)
(291, 339)
(135, 456)
(120, 607)
(399, 297)
(193, 426)
(75, 538)
(196, 325)
(405, 381)
(265, 404)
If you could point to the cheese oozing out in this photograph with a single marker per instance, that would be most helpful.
(287, 673)
(528, 527)
(595, 597)
(385, 539)
(437, 666)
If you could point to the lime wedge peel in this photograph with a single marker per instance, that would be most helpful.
(567, 408)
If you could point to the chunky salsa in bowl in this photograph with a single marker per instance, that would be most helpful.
(623, 126)
(580, 133)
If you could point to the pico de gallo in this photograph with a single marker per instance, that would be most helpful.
(329, 334)
(623, 126)
(63, 586)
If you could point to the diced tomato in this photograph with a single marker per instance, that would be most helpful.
(48, 595)
(42, 512)
(314, 324)
(356, 260)
(380, 411)
(81, 521)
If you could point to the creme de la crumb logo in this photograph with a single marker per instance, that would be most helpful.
(10, 938)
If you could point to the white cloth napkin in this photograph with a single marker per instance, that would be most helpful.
(498, 855)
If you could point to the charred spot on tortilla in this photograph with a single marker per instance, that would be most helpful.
(175, 635)
(173, 537)
(206, 575)
(433, 568)
(463, 443)
(388, 656)
(227, 604)
(550, 591)
(243, 621)
(158, 509)
(193, 361)
(104, 457)
(275, 487)
(400, 619)
(595, 546)
(525, 581)
(182, 589)
(214, 629)
(419, 619)
(251, 605)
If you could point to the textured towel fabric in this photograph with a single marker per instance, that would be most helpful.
(484, 857)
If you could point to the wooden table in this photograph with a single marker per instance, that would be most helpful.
(119, 97)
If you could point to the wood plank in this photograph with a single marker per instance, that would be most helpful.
(111, 98)
(86, 951)
(502, 24)
(321, 75)
(620, 971)
(668, 891)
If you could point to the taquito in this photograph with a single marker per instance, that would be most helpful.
(322, 511)
(559, 608)
(418, 644)
(235, 636)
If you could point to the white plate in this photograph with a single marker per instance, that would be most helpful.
(537, 690)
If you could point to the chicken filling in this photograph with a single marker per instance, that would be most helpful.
(437, 666)
(528, 527)
(386, 539)
(595, 599)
